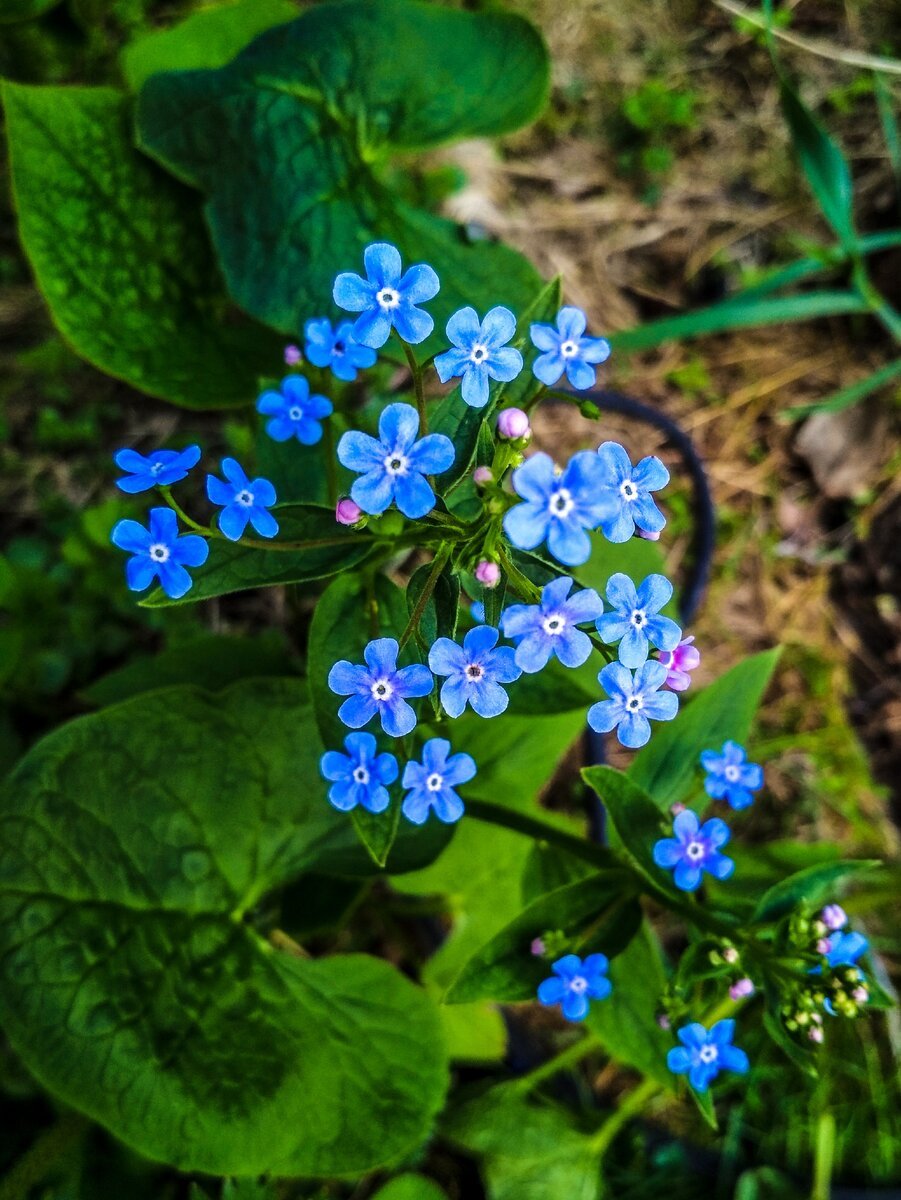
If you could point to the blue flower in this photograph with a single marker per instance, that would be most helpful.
(634, 702)
(159, 553)
(558, 508)
(635, 618)
(845, 949)
(379, 687)
(475, 672)
(481, 352)
(544, 630)
(336, 348)
(386, 297)
(360, 776)
(159, 469)
(432, 782)
(574, 983)
(394, 468)
(243, 501)
(730, 776)
(703, 1054)
(628, 492)
(294, 412)
(694, 850)
(567, 349)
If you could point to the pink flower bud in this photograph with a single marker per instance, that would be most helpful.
(677, 808)
(730, 954)
(823, 946)
(648, 534)
(834, 917)
(740, 989)
(482, 475)
(815, 1033)
(488, 573)
(663, 1021)
(678, 663)
(292, 355)
(537, 947)
(513, 423)
(861, 995)
(347, 511)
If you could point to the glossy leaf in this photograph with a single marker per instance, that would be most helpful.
(811, 887)
(637, 821)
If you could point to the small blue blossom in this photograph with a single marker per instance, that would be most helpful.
(243, 501)
(627, 490)
(477, 612)
(379, 687)
(481, 352)
(730, 776)
(574, 983)
(360, 776)
(635, 701)
(159, 553)
(543, 631)
(567, 349)
(387, 298)
(394, 466)
(336, 348)
(159, 469)
(475, 672)
(704, 1053)
(294, 412)
(844, 949)
(432, 783)
(635, 621)
(558, 508)
(694, 850)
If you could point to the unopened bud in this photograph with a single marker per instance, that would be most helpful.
(730, 954)
(861, 995)
(292, 355)
(537, 947)
(834, 917)
(347, 511)
(482, 476)
(513, 423)
(815, 1033)
(823, 946)
(741, 989)
(663, 1021)
(677, 808)
(488, 573)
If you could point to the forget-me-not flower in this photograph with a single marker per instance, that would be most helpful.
(475, 672)
(542, 631)
(558, 508)
(694, 850)
(574, 983)
(379, 687)
(635, 701)
(159, 469)
(294, 412)
(480, 352)
(159, 553)
(431, 783)
(627, 490)
(704, 1053)
(336, 348)
(394, 466)
(360, 776)
(635, 621)
(387, 297)
(243, 501)
(567, 349)
(730, 776)
(845, 948)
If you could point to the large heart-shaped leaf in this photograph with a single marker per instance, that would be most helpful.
(286, 140)
(136, 846)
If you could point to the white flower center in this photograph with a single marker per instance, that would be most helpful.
(554, 624)
(478, 353)
(434, 782)
(561, 503)
(361, 775)
(159, 553)
(578, 984)
(569, 349)
(381, 690)
(639, 617)
(388, 297)
(244, 498)
(732, 773)
(628, 490)
(396, 463)
(694, 850)
(474, 671)
(295, 412)
(156, 468)
(708, 1054)
(634, 703)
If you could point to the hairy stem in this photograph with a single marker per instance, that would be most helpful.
(416, 372)
(438, 565)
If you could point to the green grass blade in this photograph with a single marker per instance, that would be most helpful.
(848, 395)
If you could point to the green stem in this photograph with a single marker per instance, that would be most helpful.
(566, 1058)
(416, 372)
(205, 530)
(823, 1156)
(444, 551)
(629, 1108)
(497, 814)
(331, 473)
(519, 582)
(35, 1164)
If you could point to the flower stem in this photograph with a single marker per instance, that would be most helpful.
(331, 475)
(630, 1107)
(497, 814)
(438, 564)
(204, 530)
(519, 582)
(566, 1058)
(416, 372)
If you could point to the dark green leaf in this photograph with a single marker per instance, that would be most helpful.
(635, 818)
(811, 887)
(439, 618)
(823, 164)
(24, 10)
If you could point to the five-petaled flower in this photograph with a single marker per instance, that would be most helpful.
(475, 672)
(558, 508)
(694, 850)
(159, 553)
(679, 662)
(243, 501)
(704, 1053)
(431, 783)
(294, 412)
(159, 469)
(379, 687)
(387, 297)
(845, 948)
(627, 490)
(635, 701)
(574, 983)
(567, 349)
(635, 621)
(394, 466)
(360, 776)
(730, 776)
(336, 348)
(542, 631)
(480, 352)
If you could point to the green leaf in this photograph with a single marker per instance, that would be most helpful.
(236, 566)
(138, 843)
(635, 818)
(811, 887)
(120, 252)
(24, 10)
(847, 396)
(704, 1104)
(439, 618)
(823, 164)
(286, 141)
(410, 1187)
(667, 767)
(210, 37)
(597, 914)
